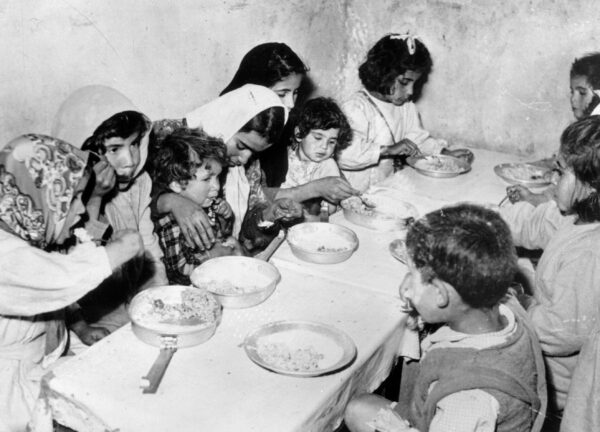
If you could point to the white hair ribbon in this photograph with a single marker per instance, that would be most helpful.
(408, 39)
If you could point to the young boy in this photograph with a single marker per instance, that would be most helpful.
(482, 369)
(121, 197)
(321, 131)
(189, 163)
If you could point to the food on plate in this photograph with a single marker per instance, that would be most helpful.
(225, 287)
(439, 164)
(525, 172)
(280, 356)
(194, 307)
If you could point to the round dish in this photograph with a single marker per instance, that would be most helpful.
(524, 174)
(321, 242)
(440, 166)
(398, 250)
(237, 282)
(389, 214)
(300, 348)
(187, 313)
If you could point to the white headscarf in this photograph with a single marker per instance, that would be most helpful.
(223, 118)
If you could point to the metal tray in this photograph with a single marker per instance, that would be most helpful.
(299, 337)
(525, 174)
(422, 165)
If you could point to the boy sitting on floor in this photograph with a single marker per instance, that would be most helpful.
(482, 370)
(189, 163)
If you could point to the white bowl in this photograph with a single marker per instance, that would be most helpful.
(237, 282)
(389, 214)
(321, 242)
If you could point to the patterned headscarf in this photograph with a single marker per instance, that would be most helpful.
(38, 177)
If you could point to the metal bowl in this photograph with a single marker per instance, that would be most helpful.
(237, 282)
(426, 165)
(150, 328)
(321, 242)
(524, 174)
(389, 214)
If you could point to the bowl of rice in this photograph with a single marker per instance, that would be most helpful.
(236, 281)
(383, 213)
(322, 242)
(189, 314)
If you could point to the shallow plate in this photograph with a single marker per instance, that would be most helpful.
(441, 166)
(389, 214)
(524, 174)
(398, 250)
(300, 348)
(322, 242)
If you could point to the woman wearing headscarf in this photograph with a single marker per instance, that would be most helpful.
(249, 120)
(42, 180)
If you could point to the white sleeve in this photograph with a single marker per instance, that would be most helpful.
(363, 151)
(466, 411)
(33, 281)
(414, 131)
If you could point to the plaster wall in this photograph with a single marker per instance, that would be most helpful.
(500, 76)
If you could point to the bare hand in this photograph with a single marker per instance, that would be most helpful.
(223, 208)
(105, 178)
(334, 189)
(88, 334)
(403, 147)
(193, 222)
(283, 210)
(460, 153)
(518, 193)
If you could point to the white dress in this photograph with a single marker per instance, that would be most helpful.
(33, 281)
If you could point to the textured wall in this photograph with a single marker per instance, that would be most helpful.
(500, 77)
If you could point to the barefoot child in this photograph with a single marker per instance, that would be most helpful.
(321, 131)
(483, 366)
(189, 163)
(383, 116)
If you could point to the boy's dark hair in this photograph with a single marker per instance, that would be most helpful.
(467, 246)
(120, 125)
(580, 147)
(324, 113)
(389, 58)
(172, 161)
(588, 66)
(265, 65)
(268, 123)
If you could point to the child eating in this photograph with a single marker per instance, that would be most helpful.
(321, 131)
(483, 366)
(189, 163)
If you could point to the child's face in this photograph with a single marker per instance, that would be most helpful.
(204, 186)
(420, 295)
(569, 188)
(319, 144)
(287, 89)
(403, 88)
(123, 154)
(581, 95)
(243, 145)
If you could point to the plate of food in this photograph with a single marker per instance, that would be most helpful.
(525, 174)
(398, 250)
(322, 242)
(379, 212)
(441, 166)
(237, 282)
(300, 348)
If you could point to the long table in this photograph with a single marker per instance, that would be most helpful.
(214, 386)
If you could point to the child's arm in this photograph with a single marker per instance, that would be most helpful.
(88, 334)
(415, 132)
(364, 151)
(332, 189)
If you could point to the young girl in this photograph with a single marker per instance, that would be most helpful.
(248, 120)
(585, 101)
(383, 116)
(321, 131)
(189, 163)
(566, 289)
(41, 186)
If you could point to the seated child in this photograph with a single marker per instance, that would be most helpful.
(585, 102)
(189, 163)
(321, 131)
(566, 285)
(483, 366)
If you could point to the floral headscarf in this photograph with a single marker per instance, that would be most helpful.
(38, 177)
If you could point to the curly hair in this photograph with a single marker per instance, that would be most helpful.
(266, 64)
(120, 125)
(467, 246)
(580, 147)
(389, 58)
(268, 124)
(173, 162)
(588, 66)
(324, 113)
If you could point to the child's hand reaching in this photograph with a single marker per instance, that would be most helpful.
(282, 210)
(88, 334)
(105, 178)
(334, 189)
